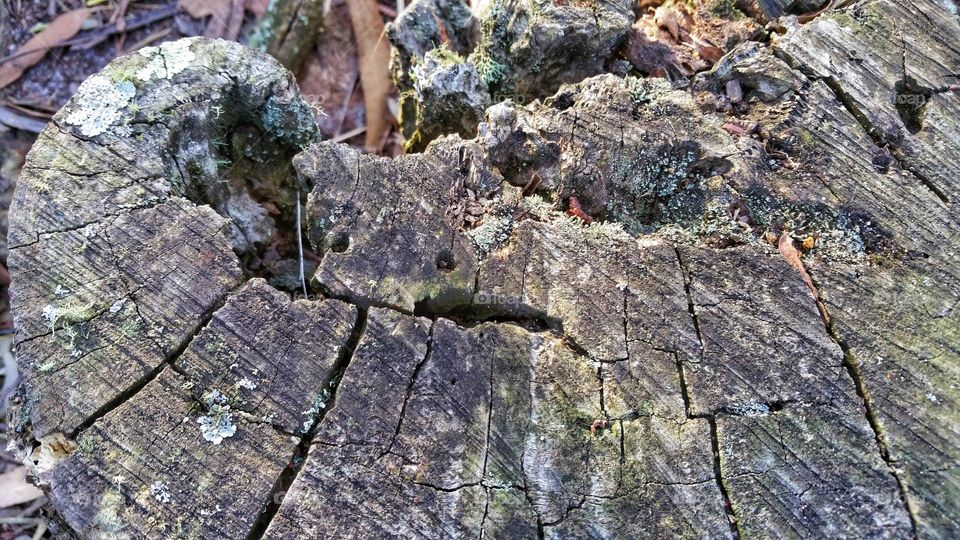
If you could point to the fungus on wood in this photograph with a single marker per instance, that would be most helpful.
(474, 357)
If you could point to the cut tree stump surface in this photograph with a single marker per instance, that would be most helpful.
(756, 336)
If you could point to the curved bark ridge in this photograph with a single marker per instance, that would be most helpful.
(576, 324)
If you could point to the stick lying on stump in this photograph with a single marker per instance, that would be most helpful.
(478, 360)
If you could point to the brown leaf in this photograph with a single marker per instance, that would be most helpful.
(199, 9)
(576, 210)
(790, 253)
(14, 488)
(374, 52)
(59, 30)
(226, 16)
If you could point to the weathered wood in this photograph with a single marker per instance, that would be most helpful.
(756, 336)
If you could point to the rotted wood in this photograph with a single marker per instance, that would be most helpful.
(587, 321)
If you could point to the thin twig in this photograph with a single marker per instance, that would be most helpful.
(17, 120)
(303, 280)
(350, 134)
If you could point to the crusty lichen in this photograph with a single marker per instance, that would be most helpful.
(166, 60)
(290, 121)
(494, 231)
(101, 104)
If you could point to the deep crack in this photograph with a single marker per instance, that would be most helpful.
(299, 456)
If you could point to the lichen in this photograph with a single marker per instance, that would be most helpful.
(69, 311)
(490, 70)
(319, 404)
(166, 60)
(290, 121)
(101, 104)
(494, 230)
(160, 492)
(217, 424)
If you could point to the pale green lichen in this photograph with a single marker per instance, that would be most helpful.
(538, 207)
(611, 232)
(100, 104)
(494, 230)
(217, 424)
(166, 60)
(68, 312)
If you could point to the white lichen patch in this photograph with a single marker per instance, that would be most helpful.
(217, 425)
(319, 404)
(160, 492)
(166, 60)
(118, 305)
(99, 104)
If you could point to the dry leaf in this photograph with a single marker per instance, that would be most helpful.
(199, 9)
(790, 253)
(666, 17)
(225, 16)
(61, 29)
(374, 52)
(14, 488)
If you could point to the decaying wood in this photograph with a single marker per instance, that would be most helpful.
(480, 361)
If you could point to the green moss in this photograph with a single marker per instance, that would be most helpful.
(445, 56)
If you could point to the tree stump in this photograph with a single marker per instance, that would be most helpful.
(625, 310)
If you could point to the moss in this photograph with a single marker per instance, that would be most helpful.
(121, 71)
(445, 56)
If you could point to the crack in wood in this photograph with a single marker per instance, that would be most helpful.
(875, 133)
(300, 453)
(852, 367)
(141, 383)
